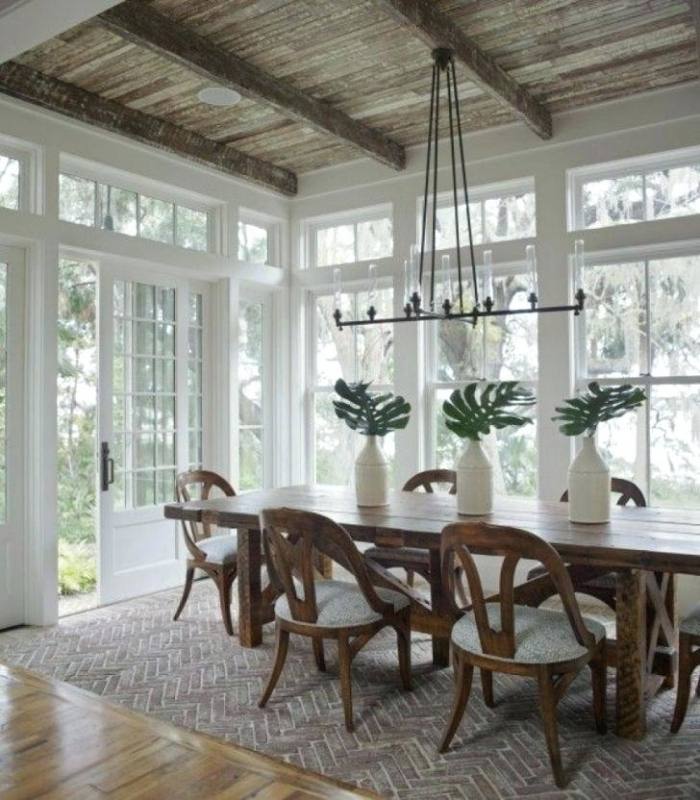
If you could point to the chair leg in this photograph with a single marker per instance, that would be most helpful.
(487, 687)
(345, 663)
(189, 577)
(683, 691)
(403, 638)
(223, 583)
(548, 708)
(599, 677)
(465, 673)
(319, 656)
(281, 646)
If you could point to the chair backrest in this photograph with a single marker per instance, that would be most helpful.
(198, 484)
(430, 478)
(460, 540)
(628, 491)
(291, 540)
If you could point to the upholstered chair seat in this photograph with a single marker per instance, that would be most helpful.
(541, 636)
(691, 624)
(219, 549)
(341, 604)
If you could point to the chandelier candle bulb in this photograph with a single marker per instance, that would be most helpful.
(337, 287)
(487, 277)
(579, 260)
(406, 284)
(531, 259)
(445, 281)
(372, 279)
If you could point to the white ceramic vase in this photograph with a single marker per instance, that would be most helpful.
(589, 485)
(474, 481)
(372, 474)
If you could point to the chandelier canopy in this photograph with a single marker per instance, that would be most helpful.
(430, 292)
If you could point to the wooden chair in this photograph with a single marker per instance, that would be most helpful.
(412, 559)
(214, 555)
(499, 636)
(350, 613)
(689, 659)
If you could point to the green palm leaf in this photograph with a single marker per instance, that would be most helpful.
(370, 414)
(583, 414)
(472, 413)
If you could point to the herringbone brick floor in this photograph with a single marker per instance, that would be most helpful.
(192, 674)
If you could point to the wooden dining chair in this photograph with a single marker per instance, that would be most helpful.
(214, 555)
(498, 636)
(412, 559)
(350, 613)
(689, 659)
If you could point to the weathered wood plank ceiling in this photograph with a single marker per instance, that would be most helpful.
(359, 59)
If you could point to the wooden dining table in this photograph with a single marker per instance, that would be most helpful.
(644, 547)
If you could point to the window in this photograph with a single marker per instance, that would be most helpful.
(498, 213)
(9, 182)
(3, 392)
(499, 348)
(253, 243)
(144, 394)
(661, 187)
(195, 366)
(357, 236)
(641, 326)
(251, 416)
(354, 354)
(86, 202)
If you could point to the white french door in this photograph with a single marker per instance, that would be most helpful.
(12, 302)
(151, 423)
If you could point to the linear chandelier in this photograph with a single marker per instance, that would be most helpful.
(429, 294)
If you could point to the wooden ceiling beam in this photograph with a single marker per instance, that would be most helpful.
(695, 9)
(136, 22)
(436, 29)
(28, 84)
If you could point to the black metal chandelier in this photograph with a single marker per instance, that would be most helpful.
(422, 301)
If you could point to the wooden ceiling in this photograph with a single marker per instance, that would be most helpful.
(343, 79)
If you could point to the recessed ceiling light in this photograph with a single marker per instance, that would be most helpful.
(218, 96)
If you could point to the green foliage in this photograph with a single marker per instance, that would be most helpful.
(77, 572)
(583, 414)
(472, 413)
(370, 414)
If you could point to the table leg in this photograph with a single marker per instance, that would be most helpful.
(249, 594)
(630, 603)
(440, 608)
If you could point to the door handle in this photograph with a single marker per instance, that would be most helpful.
(107, 467)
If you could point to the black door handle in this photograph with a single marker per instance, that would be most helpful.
(107, 467)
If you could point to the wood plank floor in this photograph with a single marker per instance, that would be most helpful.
(57, 741)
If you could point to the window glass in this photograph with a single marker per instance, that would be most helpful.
(77, 200)
(192, 228)
(118, 210)
(195, 391)
(362, 239)
(250, 396)
(156, 219)
(9, 182)
(3, 392)
(252, 243)
(613, 201)
(374, 239)
(673, 192)
(335, 245)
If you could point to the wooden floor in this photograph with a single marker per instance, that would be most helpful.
(57, 741)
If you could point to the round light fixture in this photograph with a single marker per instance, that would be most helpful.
(218, 96)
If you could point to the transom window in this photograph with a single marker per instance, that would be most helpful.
(360, 235)
(498, 348)
(642, 326)
(9, 182)
(660, 187)
(499, 212)
(354, 354)
(83, 201)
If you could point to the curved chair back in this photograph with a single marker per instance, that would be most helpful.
(431, 477)
(291, 540)
(513, 544)
(199, 484)
(628, 491)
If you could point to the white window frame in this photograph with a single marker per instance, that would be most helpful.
(354, 217)
(610, 170)
(645, 380)
(107, 176)
(478, 194)
(273, 226)
(312, 387)
(28, 174)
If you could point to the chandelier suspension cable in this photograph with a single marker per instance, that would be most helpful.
(447, 304)
(466, 186)
(419, 291)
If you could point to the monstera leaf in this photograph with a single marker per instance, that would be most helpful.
(472, 413)
(370, 414)
(584, 413)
